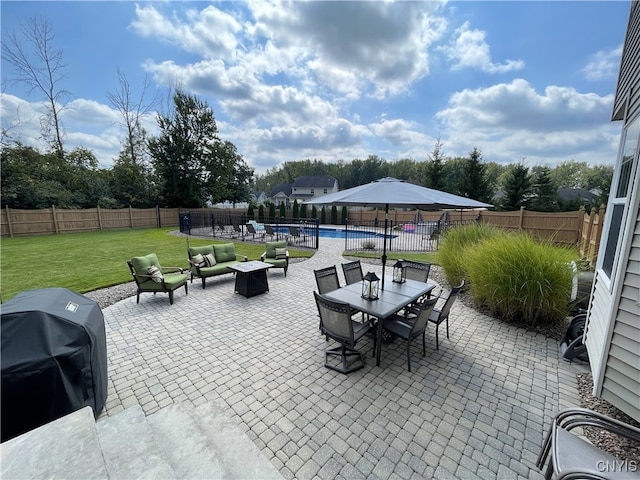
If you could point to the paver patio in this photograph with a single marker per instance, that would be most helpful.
(477, 408)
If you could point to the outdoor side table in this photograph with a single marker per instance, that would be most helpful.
(251, 277)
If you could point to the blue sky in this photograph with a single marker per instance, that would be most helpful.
(335, 80)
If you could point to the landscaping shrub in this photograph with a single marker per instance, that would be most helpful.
(455, 242)
(520, 279)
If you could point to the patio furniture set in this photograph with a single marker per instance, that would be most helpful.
(209, 261)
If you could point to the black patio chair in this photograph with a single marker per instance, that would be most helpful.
(439, 315)
(327, 279)
(409, 330)
(336, 323)
(571, 457)
(352, 272)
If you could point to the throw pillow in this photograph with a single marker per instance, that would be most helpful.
(156, 274)
(210, 260)
(281, 253)
(198, 260)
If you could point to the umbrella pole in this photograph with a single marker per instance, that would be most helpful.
(384, 242)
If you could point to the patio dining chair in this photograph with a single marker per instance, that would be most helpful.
(571, 457)
(418, 271)
(327, 279)
(352, 272)
(439, 315)
(408, 331)
(336, 323)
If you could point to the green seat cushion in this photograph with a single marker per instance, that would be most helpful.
(276, 262)
(225, 252)
(141, 264)
(271, 248)
(174, 280)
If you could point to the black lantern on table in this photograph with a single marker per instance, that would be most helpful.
(370, 285)
(400, 271)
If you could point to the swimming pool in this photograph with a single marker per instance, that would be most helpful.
(328, 232)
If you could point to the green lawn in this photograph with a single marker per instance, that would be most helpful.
(87, 261)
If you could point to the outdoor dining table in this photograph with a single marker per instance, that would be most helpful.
(392, 299)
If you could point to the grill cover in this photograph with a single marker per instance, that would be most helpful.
(54, 358)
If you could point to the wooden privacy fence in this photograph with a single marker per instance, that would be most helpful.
(578, 228)
(47, 221)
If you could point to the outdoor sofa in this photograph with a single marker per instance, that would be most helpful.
(213, 260)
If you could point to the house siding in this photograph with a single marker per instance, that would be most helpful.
(612, 333)
(629, 69)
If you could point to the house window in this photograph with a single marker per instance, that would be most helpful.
(325, 190)
(628, 155)
(312, 191)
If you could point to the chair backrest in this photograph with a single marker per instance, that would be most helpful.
(268, 229)
(444, 311)
(293, 231)
(335, 319)
(352, 272)
(418, 271)
(420, 323)
(250, 229)
(327, 279)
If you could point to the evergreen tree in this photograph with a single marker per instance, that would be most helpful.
(283, 211)
(296, 210)
(272, 212)
(517, 187)
(314, 212)
(303, 211)
(323, 216)
(474, 183)
(334, 215)
(545, 197)
(435, 168)
(344, 216)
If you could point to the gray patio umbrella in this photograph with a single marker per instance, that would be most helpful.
(393, 193)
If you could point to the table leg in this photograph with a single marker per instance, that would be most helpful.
(379, 341)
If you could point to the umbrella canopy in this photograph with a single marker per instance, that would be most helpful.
(393, 193)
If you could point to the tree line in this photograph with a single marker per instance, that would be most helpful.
(508, 187)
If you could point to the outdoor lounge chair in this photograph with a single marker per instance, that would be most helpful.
(276, 254)
(572, 457)
(268, 230)
(253, 232)
(336, 323)
(151, 277)
(294, 234)
(409, 330)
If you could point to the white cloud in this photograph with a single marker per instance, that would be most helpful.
(511, 121)
(470, 50)
(603, 65)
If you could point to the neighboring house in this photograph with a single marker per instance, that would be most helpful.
(258, 197)
(280, 194)
(612, 334)
(580, 195)
(310, 186)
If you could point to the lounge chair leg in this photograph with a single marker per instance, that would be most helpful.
(447, 327)
(409, 354)
(203, 279)
(437, 345)
(186, 292)
(171, 297)
(138, 297)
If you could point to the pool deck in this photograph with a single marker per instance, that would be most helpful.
(475, 409)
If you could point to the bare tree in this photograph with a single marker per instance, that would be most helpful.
(38, 63)
(132, 112)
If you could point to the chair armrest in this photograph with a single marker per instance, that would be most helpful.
(262, 256)
(172, 269)
(242, 258)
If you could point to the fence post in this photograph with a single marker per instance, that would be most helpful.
(130, 217)
(9, 222)
(99, 217)
(586, 238)
(55, 219)
(520, 221)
